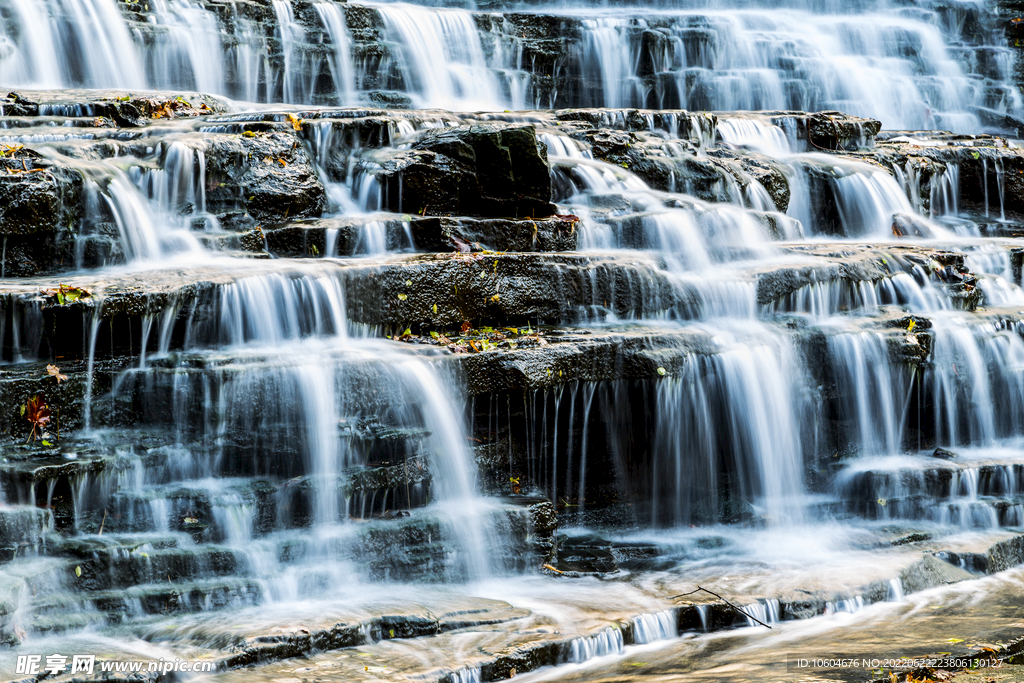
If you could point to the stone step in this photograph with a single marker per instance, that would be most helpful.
(523, 643)
(937, 480)
(133, 561)
(372, 234)
(156, 598)
(442, 293)
(21, 530)
(984, 513)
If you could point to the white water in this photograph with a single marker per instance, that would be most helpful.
(277, 363)
(887, 63)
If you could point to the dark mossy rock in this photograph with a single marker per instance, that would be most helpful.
(495, 170)
(269, 174)
(36, 195)
(347, 236)
(40, 204)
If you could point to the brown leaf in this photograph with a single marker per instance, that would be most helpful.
(54, 371)
(466, 327)
(37, 414)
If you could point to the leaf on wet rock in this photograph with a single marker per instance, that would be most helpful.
(37, 413)
(54, 371)
(65, 294)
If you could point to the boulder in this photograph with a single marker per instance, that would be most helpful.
(267, 175)
(495, 170)
(39, 203)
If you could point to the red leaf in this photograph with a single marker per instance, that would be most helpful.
(36, 411)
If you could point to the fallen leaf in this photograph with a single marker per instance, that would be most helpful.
(54, 371)
(37, 413)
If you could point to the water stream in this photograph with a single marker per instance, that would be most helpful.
(788, 392)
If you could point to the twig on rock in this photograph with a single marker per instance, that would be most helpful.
(748, 616)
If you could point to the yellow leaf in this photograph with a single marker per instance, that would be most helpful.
(78, 571)
(434, 308)
(403, 297)
(294, 120)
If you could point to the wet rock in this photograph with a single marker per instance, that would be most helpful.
(944, 454)
(989, 174)
(589, 359)
(905, 322)
(694, 127)
(722, 175)
(1006, 554)
(345, 236)
(127, 109)
(389, 99)
(21, 527)
(750, 166)
(336, 139)
(911, 538)
(827, 130)
(40, 203)
(931, 572)
(493, 170)
(445, 291)
(837, 130)
(558, 233)
(269, 175)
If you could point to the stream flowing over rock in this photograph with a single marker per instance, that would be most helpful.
(447, 342)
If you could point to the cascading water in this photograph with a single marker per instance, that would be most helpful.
(762, 350)
(874, 60)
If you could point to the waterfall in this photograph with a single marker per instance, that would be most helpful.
(695, 317)
(902, 67)
(341, 64)
(443, 62)
(752, 392)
